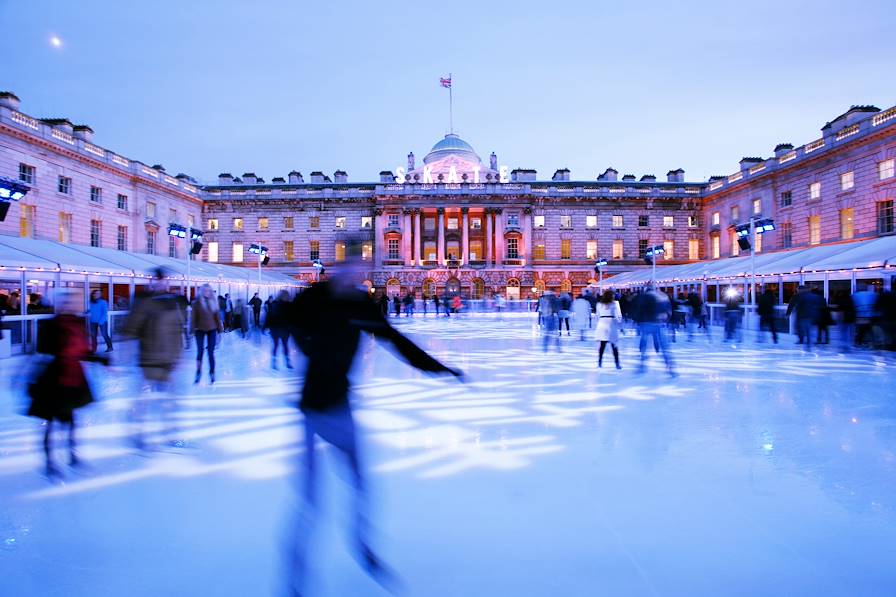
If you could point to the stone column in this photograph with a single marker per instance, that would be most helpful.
(499, 237)
(527, 235)
(378, 247)
(440, 224)
(406, 239)
(418, 239)
(465, 236)
(488, 236)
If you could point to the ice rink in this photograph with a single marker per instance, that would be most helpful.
(760, 470)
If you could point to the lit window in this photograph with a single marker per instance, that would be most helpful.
(366, 222)
(693, 249)
(95, 233)
(476, 223)
(237, 252)
(538, 251)
(758, 246)
(452, 223)
(617, 222)
(735, 246)
(213, 224)
(668, 249)
(757, 207)
(617, 249)
(565, 248)
(591, 221)
(513, 248)
(886, 169)
(237, 224)
(715, 246)
(846, 224)
(591, 249)
(538, 221)
(26, 173)
(340, 251)
(366, 251)
(288, 223)
(668, 221)
(313, 250)
(122, 202)
(314, 222)
(65, 185)
(289, 250)
(692, 221)
(213, 251)
(122, 239)
(452, 250)
(65, 228)
(716, 218)
(475, 250)
(847, 181)
(263, 224)
(26, 221)
(815, 190)
(429, 251)
(814, 230)
(566, 221)
(340, 223)
(96, 194)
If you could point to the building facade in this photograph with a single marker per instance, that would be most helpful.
(454, 223)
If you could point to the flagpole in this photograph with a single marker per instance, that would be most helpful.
(450, 104)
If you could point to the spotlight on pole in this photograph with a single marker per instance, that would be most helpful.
(10, 190)
(599, 264)
(177, 231)
(195, 241)
(651, 253)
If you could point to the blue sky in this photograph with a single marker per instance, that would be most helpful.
(209, 86)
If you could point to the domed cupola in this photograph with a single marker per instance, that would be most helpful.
(452, 145)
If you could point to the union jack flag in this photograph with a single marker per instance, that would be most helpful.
(445, 82)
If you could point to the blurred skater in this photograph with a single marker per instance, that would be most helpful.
(277, 321)
(653, 312)
(207, 325)
(581, 315)
(328, 320)
(61, 387)
(609, 318)
(806, 305)
(98, 315)
(255, 303)
(547, 309)
(766, 311)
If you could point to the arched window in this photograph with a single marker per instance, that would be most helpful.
(429, 287)
(478, 289)
(513, 289)
(539, 287)
(393, 287)
(566, 285)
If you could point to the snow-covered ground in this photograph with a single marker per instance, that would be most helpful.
(759, 471)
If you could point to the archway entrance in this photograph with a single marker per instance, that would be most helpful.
(452, 286)
(513, 289)
(393, 287)
(478, 289)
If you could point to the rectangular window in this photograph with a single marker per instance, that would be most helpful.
(340, 251)
(476, 223)
(513, 220)
(313, 250)
(815, 190)
(366, 222)
(122, 202)
(847, 181)
(642, 246)
(289, 250)
(591, 249)
(885, 217)
(617, 222)
(150, 209)
(452, 223)
(591, 221)
(191, 220)
(668, 249)
(758, 246)
(393, 220)
(757, 207)
(668, 221)
(64, 185)
(814, 230)
(237, 251)
(263, 224)
(716, 218)
(65, 227)
(96, 194)
(538, 221)
(429, 251)
(95, 233)
(735, 214)
(27, 173)
(513, 248)
(846, 224)
(121, 239)
(786, 231)
(340, 223)
(393, 249)
(213, 224)
(237, 225)
(617, 249)
(735, 246)
(289, 223)
(693, 249)
(26, 221)
(429, 223)
(565, 248)
(475, 250)
(786, 198)
(314, 222)
(172, 215)
(538, 251)
(452, 250)
(886, 169)
(172, 247)
(366, 251)
(212, 251)
(566, 221)
(716, 251)
(151, 242)
(692, 221)
(643, 221)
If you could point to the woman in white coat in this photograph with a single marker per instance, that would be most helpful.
(609, 318)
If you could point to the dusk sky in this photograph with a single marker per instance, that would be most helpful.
(204, 87)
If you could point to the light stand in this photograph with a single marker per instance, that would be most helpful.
(650, 257)
(262, 253)
(600, 274)
(10, 190)
(747, 235)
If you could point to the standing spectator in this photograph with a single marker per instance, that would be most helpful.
(222, 307)
(408, 303)
(207, 325)
(609, 317)
(807, 306)
(766, 311)
(865, 302)
(824, 319)
(255, 303)
(228, 313)
(396, 305)
(278, 322)
(847, 319)
(564, 306)
(384, 304)
(98, 317)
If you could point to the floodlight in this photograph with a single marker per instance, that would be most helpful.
(177, 231)
(731, 292)
(10, 190)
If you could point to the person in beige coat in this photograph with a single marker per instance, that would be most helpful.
(207, 325)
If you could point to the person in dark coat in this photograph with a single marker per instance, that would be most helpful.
(277, 321)
(384, 304)
(886, 312)
(255, 303)
(807, 306)
(766, 310)
(328, 320)
(824, 319)
(396, 304)
(62, 388)
(847, 320)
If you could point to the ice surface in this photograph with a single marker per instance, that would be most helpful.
(759, 471)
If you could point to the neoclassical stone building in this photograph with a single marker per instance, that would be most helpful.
(454, 223)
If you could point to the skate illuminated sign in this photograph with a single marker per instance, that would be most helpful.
(453, 177)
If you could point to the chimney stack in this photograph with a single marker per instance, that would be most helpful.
(340, 176)
(387, 176)
(783, 148)
(225, 178)
(10, 100)
(561, 175)
(83, 132)
(609, 175)
(249, 177)
(676, 175)
(295, 177)
(317, 177)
